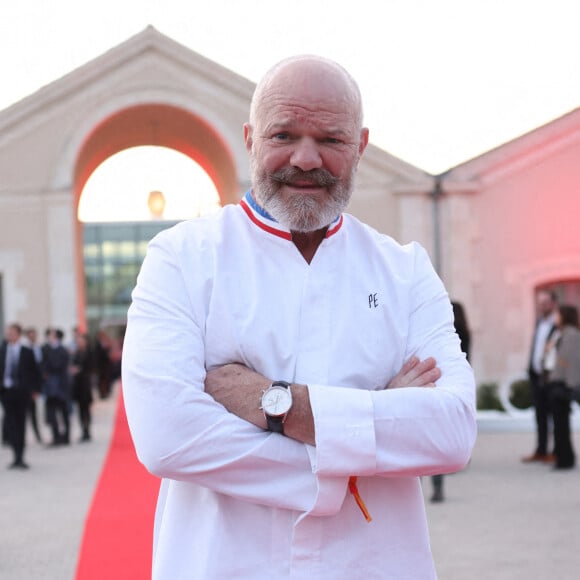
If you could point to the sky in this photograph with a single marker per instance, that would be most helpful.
(442, 80)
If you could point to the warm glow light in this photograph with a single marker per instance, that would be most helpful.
(156, 204)
(120, 188)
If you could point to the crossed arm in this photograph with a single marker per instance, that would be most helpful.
(239, 390)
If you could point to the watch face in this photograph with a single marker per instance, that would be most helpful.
(276, 401)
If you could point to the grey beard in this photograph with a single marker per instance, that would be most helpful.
(302, 212)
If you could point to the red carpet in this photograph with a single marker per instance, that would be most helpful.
(118, 536)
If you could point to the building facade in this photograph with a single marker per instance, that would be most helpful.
(497, 227)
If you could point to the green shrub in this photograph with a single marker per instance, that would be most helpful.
(520, 395)
(487, 398)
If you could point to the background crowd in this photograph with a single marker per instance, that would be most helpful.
(554, 373)
(63, 376)
(49, 381)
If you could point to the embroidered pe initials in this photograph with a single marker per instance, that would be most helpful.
(373, 301)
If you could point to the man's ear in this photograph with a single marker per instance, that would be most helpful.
(364, 140)
(248, 136)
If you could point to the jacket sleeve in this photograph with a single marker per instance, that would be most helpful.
(179, 431)
(408, 431)
(568, 357)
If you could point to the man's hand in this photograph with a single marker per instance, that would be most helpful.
(416, 373)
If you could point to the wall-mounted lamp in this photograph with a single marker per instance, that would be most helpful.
(156, 204)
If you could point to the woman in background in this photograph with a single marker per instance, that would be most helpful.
(563, 379)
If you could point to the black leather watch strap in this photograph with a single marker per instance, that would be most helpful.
(275, 424)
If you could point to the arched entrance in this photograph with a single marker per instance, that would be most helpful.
(147, 124)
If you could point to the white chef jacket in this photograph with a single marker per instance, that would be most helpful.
(239, 502)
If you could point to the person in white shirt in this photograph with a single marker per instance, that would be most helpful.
(540, 365)
(263, 352)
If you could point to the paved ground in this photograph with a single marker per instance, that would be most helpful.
(501, 520)
(43, 510)
(505, 520)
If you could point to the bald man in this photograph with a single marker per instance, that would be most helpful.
(289, 372)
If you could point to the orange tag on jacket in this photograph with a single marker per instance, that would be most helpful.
(352, 487)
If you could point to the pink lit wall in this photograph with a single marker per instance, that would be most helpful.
(525, 212)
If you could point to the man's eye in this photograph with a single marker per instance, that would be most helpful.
(281, 137)
(332, 141)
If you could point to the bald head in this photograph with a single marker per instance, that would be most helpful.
(308, 73)
(304, 141)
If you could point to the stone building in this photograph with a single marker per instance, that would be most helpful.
(497, 227)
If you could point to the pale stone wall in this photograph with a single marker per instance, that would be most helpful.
(517, 228)
(506, 222)
(23, 258)
(42, 137)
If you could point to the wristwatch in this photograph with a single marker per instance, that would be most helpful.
(276, 404)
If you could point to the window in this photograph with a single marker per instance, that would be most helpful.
(113, 253)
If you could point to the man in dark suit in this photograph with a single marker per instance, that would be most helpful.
(31, 340)
(20, 377)
(55, 366)
(547, 304)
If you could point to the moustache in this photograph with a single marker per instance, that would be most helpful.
(290, 175)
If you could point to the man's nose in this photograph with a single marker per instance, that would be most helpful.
(306, 154)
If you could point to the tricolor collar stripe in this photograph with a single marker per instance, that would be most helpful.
(334, 226)
(268, 224)
(249, 198)
(271, 230)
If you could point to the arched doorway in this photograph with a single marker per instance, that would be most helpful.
(109, 254)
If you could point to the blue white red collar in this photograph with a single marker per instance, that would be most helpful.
(266, 222)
